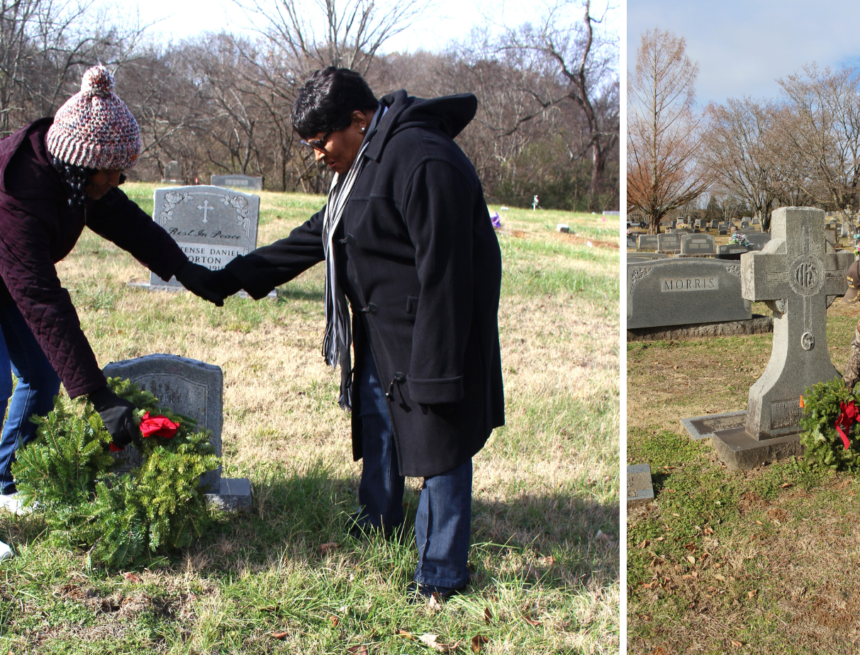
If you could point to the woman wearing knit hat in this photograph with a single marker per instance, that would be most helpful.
(56, 176)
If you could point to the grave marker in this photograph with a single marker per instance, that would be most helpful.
(240, 181)
(173, 173)
(798, 275)
(647, 242)
(702, 244)
(212, 225)
(685, 291)
(639, 487)
(193, 388)
(668, 242)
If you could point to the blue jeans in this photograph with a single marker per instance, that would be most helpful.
(34, 394)
(444, 517)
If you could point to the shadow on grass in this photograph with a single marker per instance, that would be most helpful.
(300, 512)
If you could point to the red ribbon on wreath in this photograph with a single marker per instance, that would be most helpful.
(153, 426)
(849, 414)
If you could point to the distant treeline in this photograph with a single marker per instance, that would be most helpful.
(547, 123)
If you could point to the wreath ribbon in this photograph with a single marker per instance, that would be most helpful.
(846, 419)
(153, 426)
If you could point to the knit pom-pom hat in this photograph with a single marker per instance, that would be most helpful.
(94, 129)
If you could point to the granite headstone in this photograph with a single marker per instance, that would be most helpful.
(212, 225)
(240, 181)
(192, 388)
(687, 291)
(697, 244)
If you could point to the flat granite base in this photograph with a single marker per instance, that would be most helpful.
(740, 452)
(755, 325)
(234, 495)
(735, 447)
(704, 427)
(639, 487)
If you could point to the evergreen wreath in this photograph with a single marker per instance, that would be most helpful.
(830, 429)
(66, 474)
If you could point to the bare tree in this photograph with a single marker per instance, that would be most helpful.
(343, 33)
(735, 142)
(822, 129)
(664, 139)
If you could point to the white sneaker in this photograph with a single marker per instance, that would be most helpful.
(11, 503)
(5, 551)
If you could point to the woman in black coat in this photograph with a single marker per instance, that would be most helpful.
(407, 240)
(57, 176)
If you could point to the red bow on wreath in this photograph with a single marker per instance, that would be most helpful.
(849, 414)
(153, 426)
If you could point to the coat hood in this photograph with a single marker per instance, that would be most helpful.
(447, 114)
(25, 164)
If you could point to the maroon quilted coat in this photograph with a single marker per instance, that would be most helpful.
(38, 229)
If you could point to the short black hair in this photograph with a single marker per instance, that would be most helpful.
(328, 98)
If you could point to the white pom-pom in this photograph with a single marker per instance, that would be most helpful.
(98, 81)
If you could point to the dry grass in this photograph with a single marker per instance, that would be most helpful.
(545, 530)
(774, 549)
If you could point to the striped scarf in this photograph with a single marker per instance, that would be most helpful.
(338, 333)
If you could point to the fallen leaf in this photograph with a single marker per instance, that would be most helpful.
(786, 485)
(547, 561)
(691, 559)
(643, 545)
(280, 635)
(659, 538)
(659, 651)
(404, 634)
(331, 545)
(690, 546)
(736, 644)
(478, 642)
(752, 593)
(334, 621)
(759, 522)
(433, 642)
(530, 620)
(488, 615)
(358, 650)
(132, 577)
(434, 603)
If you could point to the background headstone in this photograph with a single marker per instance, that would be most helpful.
(668, 242)
(212, 225)
(647, 242)
(639, 487)
(685, 291)
(758, 239)
(173, 173)
(239, 181)
(697, 244)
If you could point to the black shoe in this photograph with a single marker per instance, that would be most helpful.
(418, 593)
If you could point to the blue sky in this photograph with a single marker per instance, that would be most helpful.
(448, 19)
(743, 46)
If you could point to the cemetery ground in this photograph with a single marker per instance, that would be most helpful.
(287, 577)
(726, 561)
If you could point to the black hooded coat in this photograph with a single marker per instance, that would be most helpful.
(419, 261)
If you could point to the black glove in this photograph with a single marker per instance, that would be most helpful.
(225, 283)
(198, 280)
(117, 415)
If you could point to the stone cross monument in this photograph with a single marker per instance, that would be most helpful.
(798, 279)
(798, 274)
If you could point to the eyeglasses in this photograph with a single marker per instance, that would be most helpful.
(318, 144)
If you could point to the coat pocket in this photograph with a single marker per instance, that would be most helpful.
(411, 305)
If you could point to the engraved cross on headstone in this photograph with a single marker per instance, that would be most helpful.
(798, 275)
(205, 207)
